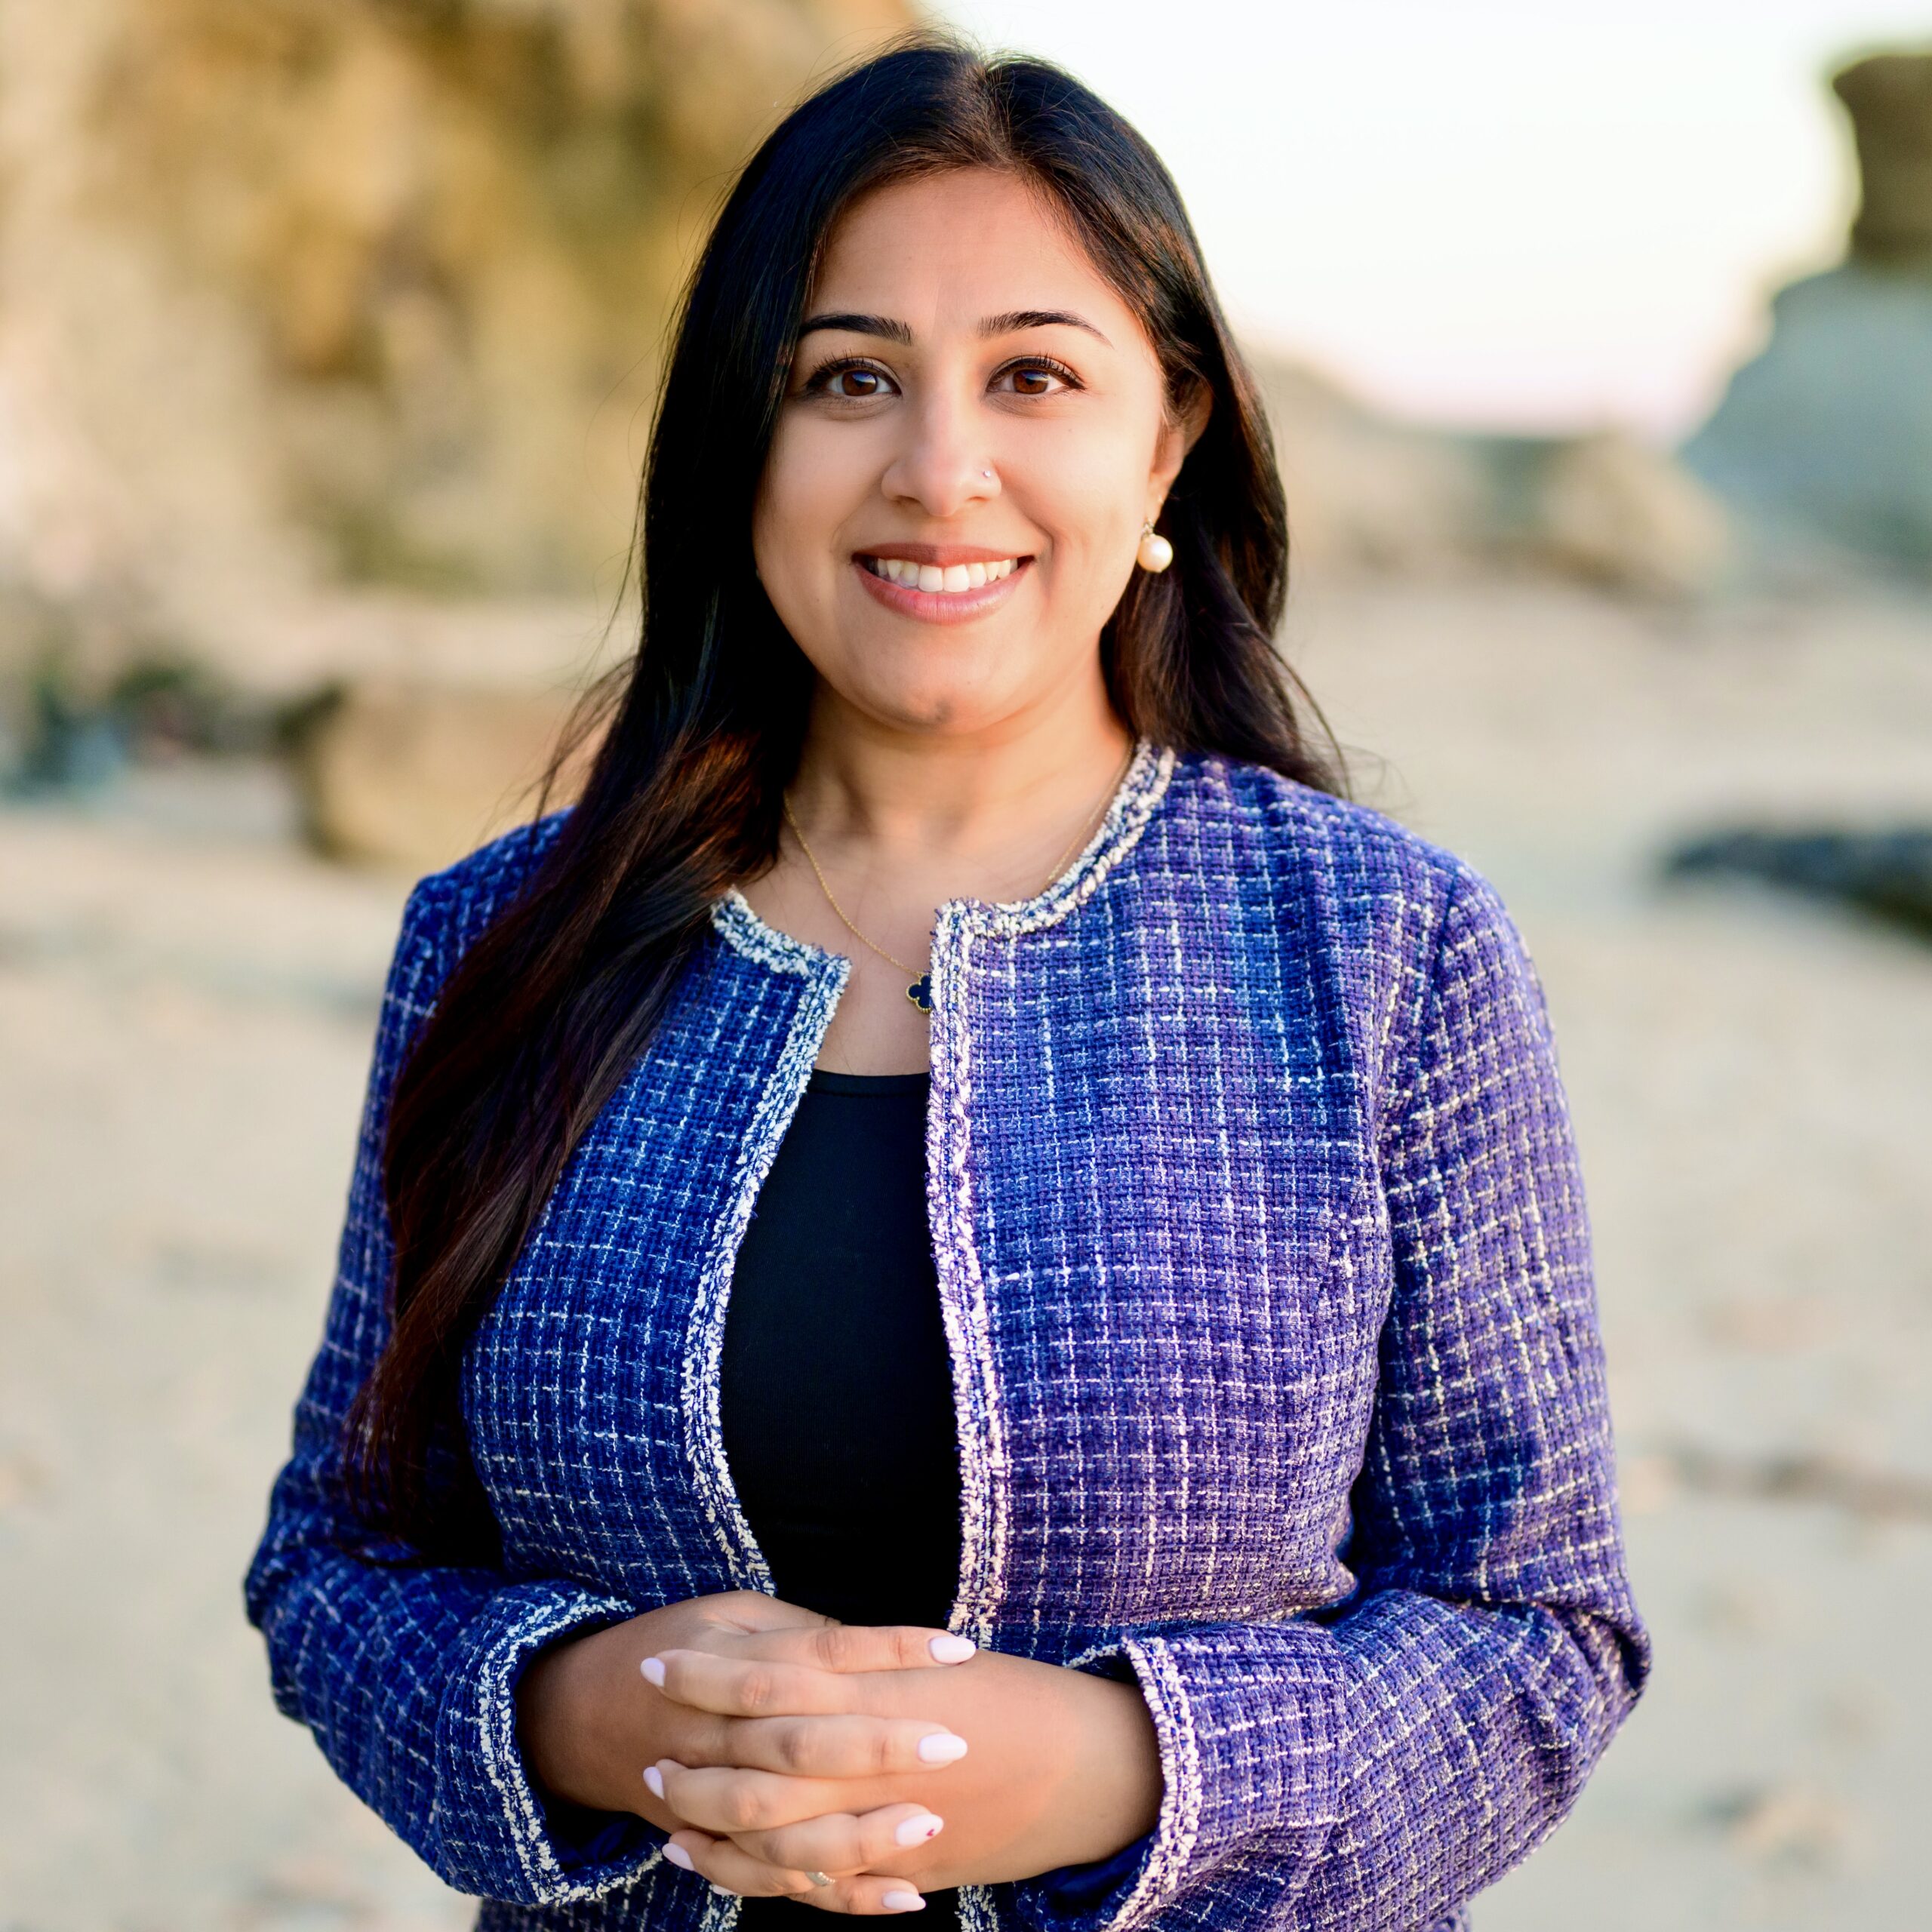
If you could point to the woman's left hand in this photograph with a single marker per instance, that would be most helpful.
(1062, 1766)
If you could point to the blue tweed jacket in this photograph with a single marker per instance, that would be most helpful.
(1265, 1273)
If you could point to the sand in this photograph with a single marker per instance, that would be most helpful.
(186, 1006)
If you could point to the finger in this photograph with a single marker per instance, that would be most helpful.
(840, 1744)
(828, 1645)
(866, 1894)
(757, 1687)
(843, 1841)
(728, 1798)
(730, 1868)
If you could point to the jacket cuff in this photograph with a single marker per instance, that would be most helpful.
(1249, 1721)
(501, 1838)
(1072, 1889)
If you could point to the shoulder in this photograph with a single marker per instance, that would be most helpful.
(1389, 918)
(447, 908)
(1350, 850)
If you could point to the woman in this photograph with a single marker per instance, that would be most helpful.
(961, 1129)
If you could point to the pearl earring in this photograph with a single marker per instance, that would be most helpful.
(1155, 552)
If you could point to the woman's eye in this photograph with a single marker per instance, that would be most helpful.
(861, 382)
(849, 382)
(1040, 378)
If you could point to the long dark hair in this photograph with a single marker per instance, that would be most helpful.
(548, 1008)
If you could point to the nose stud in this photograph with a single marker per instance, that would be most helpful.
(985, 472)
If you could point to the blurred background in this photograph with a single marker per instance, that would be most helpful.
(1598, 350)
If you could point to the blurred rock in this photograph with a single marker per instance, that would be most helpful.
(1890, 99)
(303, 293)
(59, 732)
(1888, 872)
(1615, 510)
(1823, 442)
(1366, 494)
(412, 776)
(1369, 495)
(1790, 1824)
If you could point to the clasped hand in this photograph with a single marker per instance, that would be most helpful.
(770, 1742)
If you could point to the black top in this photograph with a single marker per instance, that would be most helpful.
(836, 1396)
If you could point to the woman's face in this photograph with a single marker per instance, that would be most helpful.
(973, 411)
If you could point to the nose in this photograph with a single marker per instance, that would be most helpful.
(942, 465)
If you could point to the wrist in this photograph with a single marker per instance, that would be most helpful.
(542, 1728)
(1123, 1766)
(1109, 1784)
(585, 1724)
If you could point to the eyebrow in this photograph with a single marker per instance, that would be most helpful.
(892, 330)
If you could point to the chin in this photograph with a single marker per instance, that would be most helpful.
(940, 704)
(929, 713)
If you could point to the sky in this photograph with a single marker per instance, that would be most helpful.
(1518, 215)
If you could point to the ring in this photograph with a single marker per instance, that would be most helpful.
(818, 1878)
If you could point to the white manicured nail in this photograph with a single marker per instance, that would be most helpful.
(917, 1828)
(942, 1747)
(950, 1649)
(903, 1902)
(653, 1671)
(678, 1855)
(653, 1777)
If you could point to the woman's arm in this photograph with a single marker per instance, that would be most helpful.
(1375, 1765)
(407, 1675)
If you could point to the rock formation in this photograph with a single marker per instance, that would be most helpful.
(1823, 442)
(1890, 100)
(1370, 496)
(301, 295)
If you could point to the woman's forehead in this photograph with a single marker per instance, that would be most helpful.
(972, 243)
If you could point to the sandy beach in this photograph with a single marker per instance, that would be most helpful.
(186, 1001)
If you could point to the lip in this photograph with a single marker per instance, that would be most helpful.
(940, 554)
(940, 606)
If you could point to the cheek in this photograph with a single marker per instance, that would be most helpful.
(1088, 490)
(814, 476)
(801, 502)
(776, 536)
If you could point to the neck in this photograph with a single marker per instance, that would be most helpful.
(978, 800)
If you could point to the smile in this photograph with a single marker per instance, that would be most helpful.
(940, 593)
(932, 580)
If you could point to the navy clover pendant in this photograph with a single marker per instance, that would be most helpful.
(920, 992)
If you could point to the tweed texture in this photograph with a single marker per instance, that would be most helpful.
(1265, 1268)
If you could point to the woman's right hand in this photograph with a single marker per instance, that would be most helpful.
(589, 1723)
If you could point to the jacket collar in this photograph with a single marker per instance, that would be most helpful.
(1140, 791)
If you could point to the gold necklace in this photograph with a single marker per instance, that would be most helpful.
(920, 992)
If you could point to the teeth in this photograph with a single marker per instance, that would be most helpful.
(948, 580)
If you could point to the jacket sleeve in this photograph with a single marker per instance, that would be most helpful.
(1369, 1767)
(406, 1673)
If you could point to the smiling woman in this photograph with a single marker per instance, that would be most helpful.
(966, 368)
(1084, 1411)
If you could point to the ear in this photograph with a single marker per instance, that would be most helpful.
(1179, 432)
